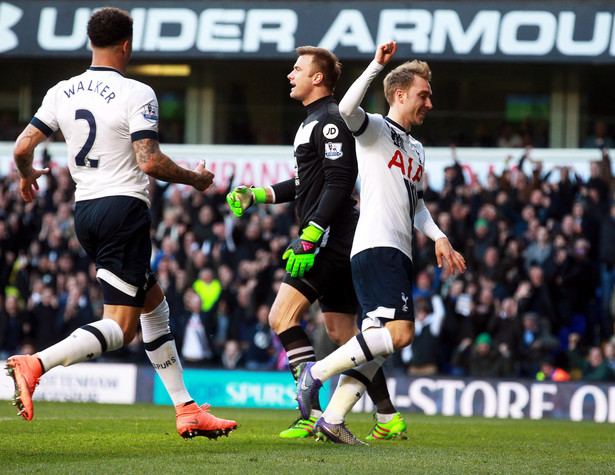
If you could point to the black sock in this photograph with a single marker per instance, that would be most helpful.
(299, 350)
(379, 393)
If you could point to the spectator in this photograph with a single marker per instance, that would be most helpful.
(508, 137)
(194, 330)
(452, 186)
(232, 357)
(222, 332)
(74, 308)
(481, 360)
(203, 227)
(44, 314)
(260, 352)
(550, 372)
(208, 287)
(250, 241)
(15, 326)
(584, 224)
(484, 237)
(169, 226)
(445, 222)
(565, 190)
(609, 354)
(422, 253)
(491, 267)
(168, 251)
(600, 137)
(242, 310)
(505, 326)
(607, 269)
(536, 344)
(453, 327)
(539, 251)
(576, 281)
(533, 295)
(594, 367)
(460, 214)
(422, 355)
(512, 266)
(484, 308)
(220, 247)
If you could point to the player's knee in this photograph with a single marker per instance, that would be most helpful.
(403, 340)
(278, 322)
(340, 327)
(340, 335)
(336, 336)
(402, 335)
(282, 317)
(129, 334)
(128, 326)
(273, 323)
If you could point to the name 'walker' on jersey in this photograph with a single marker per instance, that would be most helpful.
(100, 113)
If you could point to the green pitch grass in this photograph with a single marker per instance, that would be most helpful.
(113, 439)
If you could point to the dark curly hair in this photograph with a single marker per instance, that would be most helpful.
(109, 26)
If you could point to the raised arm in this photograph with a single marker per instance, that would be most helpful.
(350, 109)
(158, 165)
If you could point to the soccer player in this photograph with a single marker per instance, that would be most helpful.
(110, 124)
(318, 263)
(391, 165)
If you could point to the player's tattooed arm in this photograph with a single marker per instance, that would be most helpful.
(23, 155)
(158, 165)
(23, 152)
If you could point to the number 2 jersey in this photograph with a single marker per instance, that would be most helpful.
(101, 113)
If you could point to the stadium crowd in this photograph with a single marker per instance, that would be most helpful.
(537, 299)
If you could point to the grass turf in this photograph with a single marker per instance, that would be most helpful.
(100, 438)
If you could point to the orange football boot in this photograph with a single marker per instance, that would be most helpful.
(193, 421)
(26, 371)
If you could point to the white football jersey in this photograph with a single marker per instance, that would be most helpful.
(100, 113)
(391, 165)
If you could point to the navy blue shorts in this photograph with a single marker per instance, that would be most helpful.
(383, 282)
(329, 281)
(115, 233)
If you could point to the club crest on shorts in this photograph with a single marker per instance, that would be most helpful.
(333, 150)
(405, 299)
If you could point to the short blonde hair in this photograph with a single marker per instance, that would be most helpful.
(403, 76)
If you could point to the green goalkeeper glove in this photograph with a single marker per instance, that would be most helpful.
(300, 253)
(242, 197)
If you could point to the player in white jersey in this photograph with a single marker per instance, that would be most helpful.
(111, 128)
(391, 165)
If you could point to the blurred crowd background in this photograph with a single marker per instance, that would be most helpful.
(536, 302)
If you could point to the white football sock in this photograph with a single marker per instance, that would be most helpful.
(346, 395)
(162, 352)
(361, 348)
(85, 343)
(350, 388)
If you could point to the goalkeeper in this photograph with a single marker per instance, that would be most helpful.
(318, 262)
